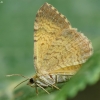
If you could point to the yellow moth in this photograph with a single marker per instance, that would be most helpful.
(59, 49)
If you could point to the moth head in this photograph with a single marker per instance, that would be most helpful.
(31, 82)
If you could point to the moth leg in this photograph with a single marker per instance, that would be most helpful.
(43, 88)
(36, 90)
(55, 83)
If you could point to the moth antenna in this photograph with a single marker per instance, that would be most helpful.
(17, 75)
(27, 78)
(21, 83)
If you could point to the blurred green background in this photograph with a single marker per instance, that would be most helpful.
(16, 38)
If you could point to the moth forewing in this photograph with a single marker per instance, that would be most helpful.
(59, 49)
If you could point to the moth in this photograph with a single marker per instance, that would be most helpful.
(59, 49)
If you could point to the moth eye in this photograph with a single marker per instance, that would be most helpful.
(31, 80)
